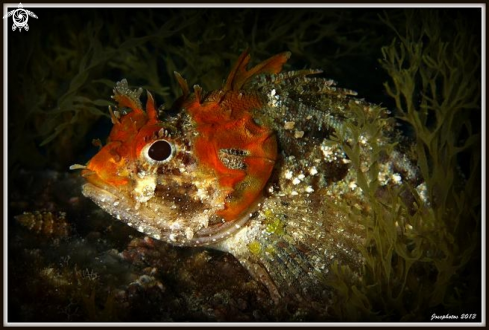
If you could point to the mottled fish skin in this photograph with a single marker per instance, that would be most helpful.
(299, 231)
(289, 235)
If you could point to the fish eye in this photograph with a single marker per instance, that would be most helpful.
(159, 151)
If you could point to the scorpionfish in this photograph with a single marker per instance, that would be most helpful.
(256, 168)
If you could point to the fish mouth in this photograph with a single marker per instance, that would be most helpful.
(112, 200)
(96, 192)
(96, 188)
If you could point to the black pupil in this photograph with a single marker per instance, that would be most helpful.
(160, 150)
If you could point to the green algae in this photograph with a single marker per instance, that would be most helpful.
(255, 247)
(416, 253)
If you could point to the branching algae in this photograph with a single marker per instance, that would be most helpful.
(416, 250)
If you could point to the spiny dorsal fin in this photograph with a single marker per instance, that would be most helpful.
(150, 107)
(198, 93)
(239, 75)
(183, 84)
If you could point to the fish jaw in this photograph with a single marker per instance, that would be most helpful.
(161, 221)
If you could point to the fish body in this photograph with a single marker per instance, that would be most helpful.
(268, 168)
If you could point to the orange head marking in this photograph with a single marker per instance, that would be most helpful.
(112, 164)
(240, 152)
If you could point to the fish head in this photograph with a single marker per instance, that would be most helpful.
(194, 178)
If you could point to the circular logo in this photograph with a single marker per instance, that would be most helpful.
(20, 17)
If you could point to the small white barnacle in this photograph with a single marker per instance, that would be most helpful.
(313, 170)
(363, 139)
(327, 151)
(422, 191)
(352, 185)
(396, 178)
(298, 134)
(273, 98)
(189, 233)
(289, 124)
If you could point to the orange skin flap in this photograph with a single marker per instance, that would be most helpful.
(224, 121)
(128, 136)
(219, 130)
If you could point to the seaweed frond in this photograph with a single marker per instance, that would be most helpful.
(420, 256)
